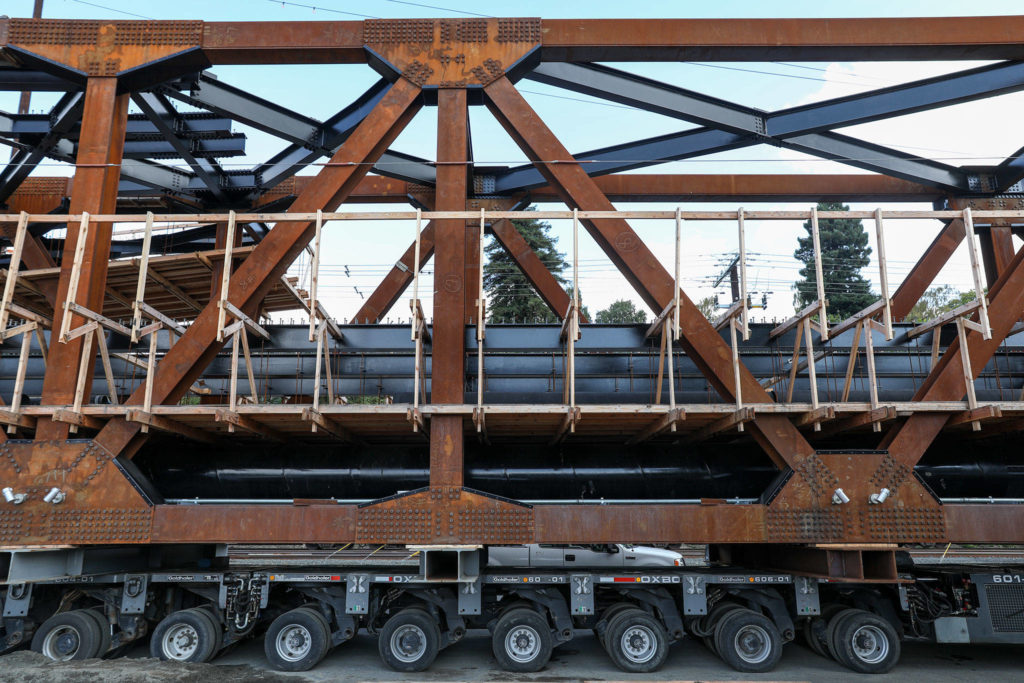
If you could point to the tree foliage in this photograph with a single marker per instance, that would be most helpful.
(511, 297)
(708, 306)
(936, 301)
(844, 252)
(622, 311)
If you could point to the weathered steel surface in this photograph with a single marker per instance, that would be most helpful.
(595, 40)
(271, 258)
(99, 507)
(95, 191)
(640, 267)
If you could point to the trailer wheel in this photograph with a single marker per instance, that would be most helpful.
(101, 621)
(636, 642)
(522, 641)
(297, 640)
(69, 635)
(717, 613)
(866, 643)
(833, 623)
(748, 641)
(188, 635)
(606, 620)
(409, 640)
(816, 629)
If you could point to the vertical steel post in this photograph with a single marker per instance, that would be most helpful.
(448, 346)
(97, 169)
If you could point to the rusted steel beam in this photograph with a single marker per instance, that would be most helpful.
(547, 287)
(597, 40)
(781, 440)
(996, 250)
(448, 344)
(587, 40)
(98, 163)
(927, 267)
(907, 441)
(629, 187)
(186, 360)
(387, 293)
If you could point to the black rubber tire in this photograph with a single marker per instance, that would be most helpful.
(531, 628)
(866, 630)
(833, 624)
(311, 630)
(717, 613)
(205, 632)
(607, 617)
(104, 626)
(811, 638)
(819, 643)
(648, 628)
(731, 627)
(69, 636)
(429, 635)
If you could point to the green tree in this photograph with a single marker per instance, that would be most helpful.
(510, 295)
(844, 251)
(708, 306)
(622, 311)
(938, 300)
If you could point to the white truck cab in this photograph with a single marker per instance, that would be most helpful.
(618, 555)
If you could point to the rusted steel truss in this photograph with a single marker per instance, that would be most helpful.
(158, 63)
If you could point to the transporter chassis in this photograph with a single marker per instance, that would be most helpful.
(68, 606)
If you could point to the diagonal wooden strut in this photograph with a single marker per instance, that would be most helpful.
(250, 282)
(777, 435)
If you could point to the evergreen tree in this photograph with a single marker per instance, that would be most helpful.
(622, 311)
(510, 295)
(844, 251)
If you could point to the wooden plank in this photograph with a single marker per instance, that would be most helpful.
(987, 412)
(947, 317)
(76, 419)
(787, 325)
(13, 419)
(12, 273)
(168, 322)
(248, 424)
(856, 318)
(565, 426)
(658, 426)
(166, 424)
(816, 416)
(249, 323)
(659, 321)
(874, 416)
(102, 320)
(724, 319)
(321, 423)
(737, 417)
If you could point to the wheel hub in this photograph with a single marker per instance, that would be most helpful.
(522, 644)
(639, 644)
(870, 644)
(408, 643)
(294, 643)
(752, 644)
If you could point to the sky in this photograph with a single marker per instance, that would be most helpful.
(355, 257)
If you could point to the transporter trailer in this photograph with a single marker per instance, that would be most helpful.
(65, 605)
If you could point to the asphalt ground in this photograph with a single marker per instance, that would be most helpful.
(583, 659)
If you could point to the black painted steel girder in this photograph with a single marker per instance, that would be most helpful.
(65, 114)
(309, 139)
(732, 125)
